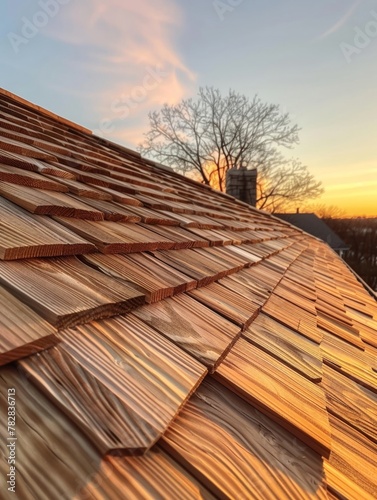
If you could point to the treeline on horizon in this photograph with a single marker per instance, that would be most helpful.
(360, 235)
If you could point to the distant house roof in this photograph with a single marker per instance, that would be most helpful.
(160, 339)
(312, 224)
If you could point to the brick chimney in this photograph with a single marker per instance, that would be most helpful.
(242, 184)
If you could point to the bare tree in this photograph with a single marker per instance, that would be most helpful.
(214, 133)
(282, 184)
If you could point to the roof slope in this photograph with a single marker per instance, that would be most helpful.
(163, 340)
(312, 224)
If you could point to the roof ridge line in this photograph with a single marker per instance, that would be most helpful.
(45, 111)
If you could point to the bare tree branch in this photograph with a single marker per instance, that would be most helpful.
(214, 133)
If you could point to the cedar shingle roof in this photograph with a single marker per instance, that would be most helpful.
(167, 341)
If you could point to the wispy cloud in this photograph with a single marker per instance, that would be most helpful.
(341, 22)
(116, 45)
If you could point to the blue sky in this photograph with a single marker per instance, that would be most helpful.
(106, 64)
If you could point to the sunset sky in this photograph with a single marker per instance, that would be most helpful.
(106, 64)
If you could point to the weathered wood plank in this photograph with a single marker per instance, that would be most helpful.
(196, 264)
(117, 237)
(292, 401)
(66, 292)
(353, 456)
(122, 198)
(30, 179)
(342, 486)
(153, 476)
(79, 189)
(336, 327)
(23, 235)
(47, 465)
(181, 237)
(41, 202)
(22, 331)
(23, 149)
(350, 402)
(223, 257)
(140, 381)
(231, 305)
(296, 299)
(111, 211)
(366, 327)
(231, 253)
(286, 345)
(144, 272)
(213, 238)
(234, 283)
(193, 327)
(153, 216)
(294, 317)
(237, 452)
(33, 165)
(371, 356)
(192, 220)
(349, 360)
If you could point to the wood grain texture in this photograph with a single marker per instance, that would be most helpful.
(353, 456)
(54, 459)
(30, 179)
(295, 298)
(350, 402)
(229, 304)
(139, 381)
(336, 327)
(181, 237)
(237, 452)
(371, 356)
(118, 197)
(41, 202)
(23, 235)
(110, 210)
(292, 401)
(231, 253)
(153, 476)
(242, 284)
(341, 486)
(286, 345)
(367, 329)
(212, 237)
(193, 327)
(22, 331)
(33, 165)
(153, 216)
(82, 190)
(223, 257)
(196, 264)
(194, 221)
(117, 237)
(144, 272)
(66, 292)
(293, 316)
(348, 360)
(23, 149)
